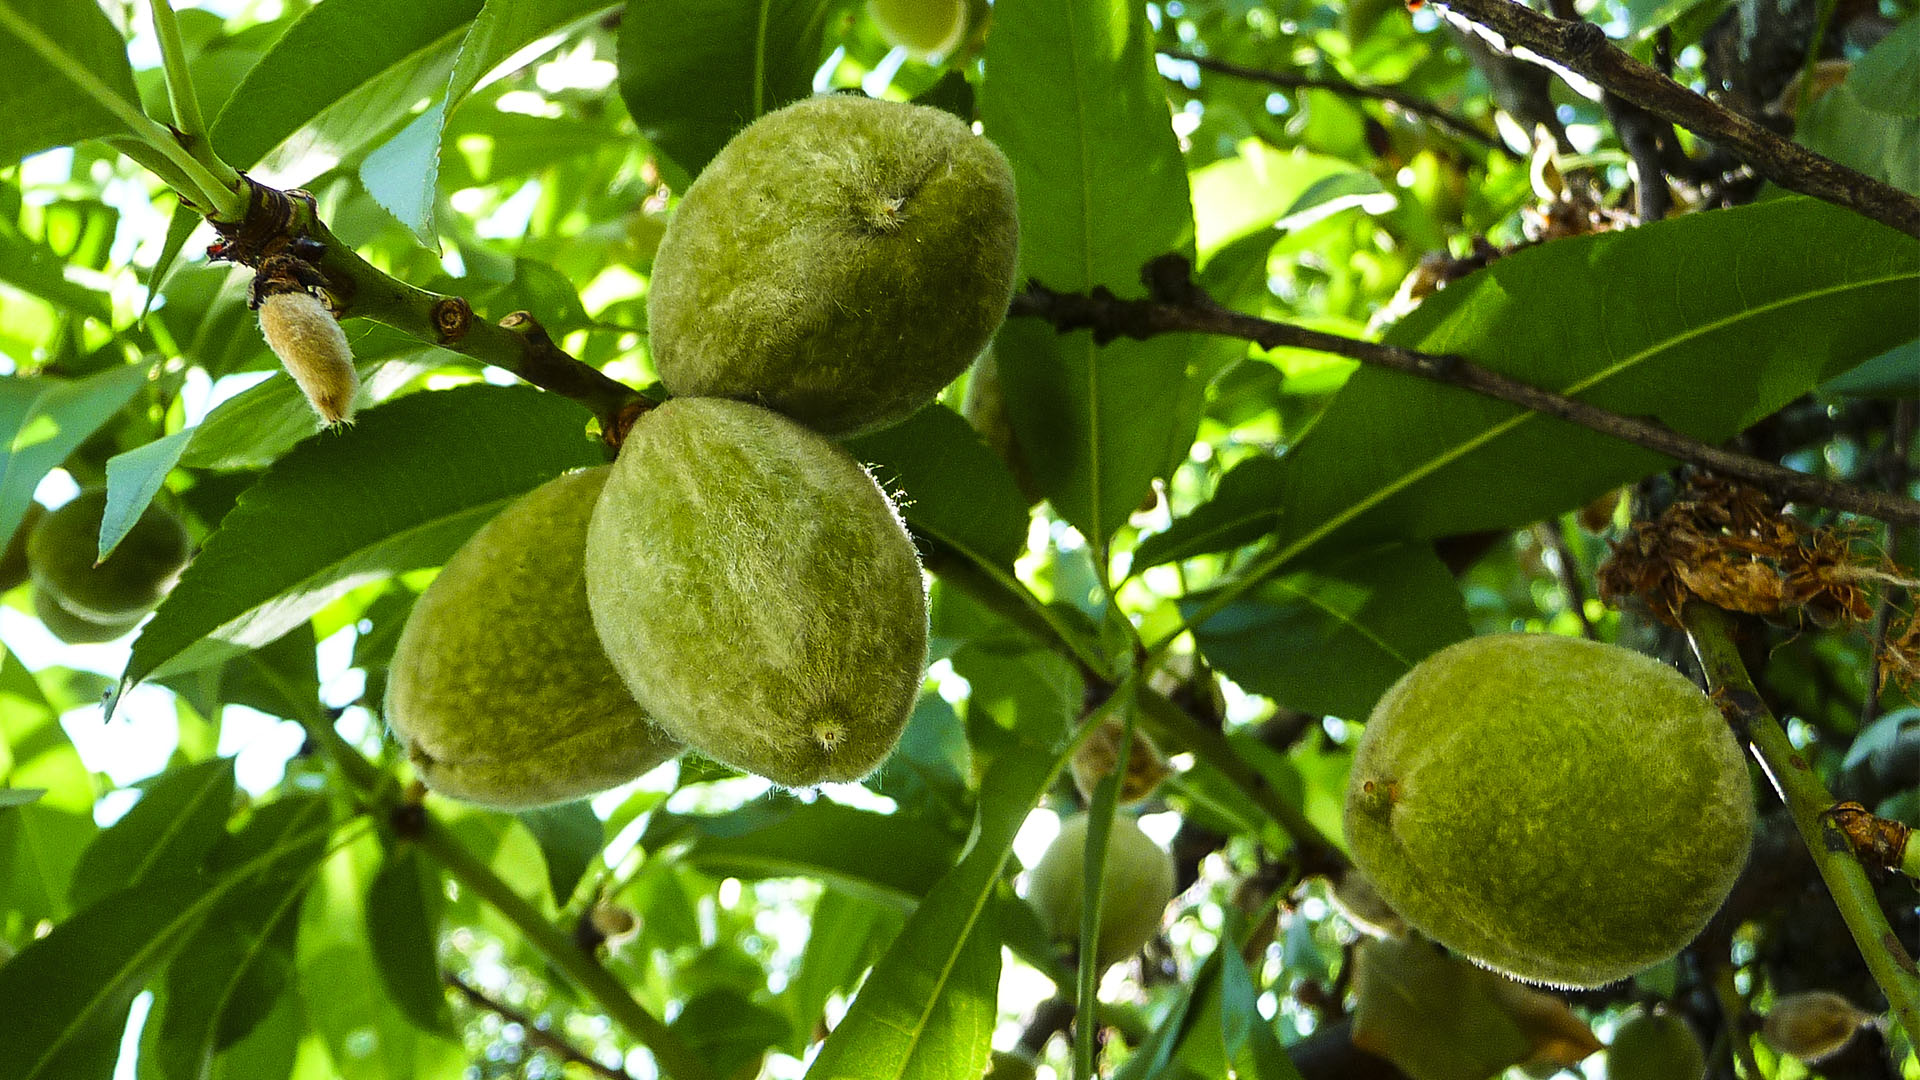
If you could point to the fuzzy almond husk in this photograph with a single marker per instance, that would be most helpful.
(306, 337)
(758, 592)
(1136, 886)
(1561, 810)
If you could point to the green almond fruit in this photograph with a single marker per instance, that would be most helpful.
(132, 581)
(925, 28)
(1561, 810)
(498, 688)
(79, 629)
(1136, 886)
(839, 261)
(758, 592)
(1655, 1046)
(13, 563)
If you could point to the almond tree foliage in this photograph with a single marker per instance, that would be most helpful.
(1226, 545)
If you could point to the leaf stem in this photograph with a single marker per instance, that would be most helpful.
(219, 201)
(1807, 798)
(670, 1052)
(189, 125)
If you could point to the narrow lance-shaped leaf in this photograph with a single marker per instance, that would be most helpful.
(45, 419)
(401, 490)
(45, 105)
(1073, 98)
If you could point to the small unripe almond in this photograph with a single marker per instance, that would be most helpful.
(306, 337)
(1136, 886)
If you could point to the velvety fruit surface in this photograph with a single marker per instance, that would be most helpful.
(1137, 883)
(839, 261)
(1561, 810)
(78, 629)
(498, 688)
(61, 551)
(758, 591)
(1655, 1046)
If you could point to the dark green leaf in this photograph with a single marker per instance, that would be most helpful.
(335, 49)
(44, 419)
(1248, 1037)
(927, 1010)
(403, 927)
(1883, 80)
(169, 832)
(845, 935)
(44, 104)
(280, 679)
(239, 964)
(1073, 98)
(1894, 373)
(693, 72)
(728, 1032)
(950, 486)
(400, 490)
(570, 835)
(891, 858)
(1331, 639)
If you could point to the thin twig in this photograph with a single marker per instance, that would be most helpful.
(535, 1034)
(1894, 471)
(1402, 99)
(1568, 572)
(1583, 48)
(1710, 631)
(1175, 305)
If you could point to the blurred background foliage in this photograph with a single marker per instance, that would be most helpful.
(212, 862)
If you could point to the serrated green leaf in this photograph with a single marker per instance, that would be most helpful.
(177, 822)
(44, 419)
(1707, 322)
(239, 964)
(570, 836)
(64, 998)
(401, 490)
(1331, 639)
(1072, 96)
(693, 72)
(133, 479)
(45, 105)
(927, 1009)
(403, 175)
(888, 858)
(333, 54)
(951, 487)
(403, 909)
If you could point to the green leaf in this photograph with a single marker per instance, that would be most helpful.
(1706, 322)
(399, 491)
(927, 1009)
(64, 998)
(693, 72)
(1244, 194)
(252, 429)
(1247, 1036)
(333, 51)
(133, 479)
(239, 964)
(403, 927)
(38, 270)
(888, 858)
(281, 678)
(45, 103)
(1331, 639)
(1435, 1016)
(403, 174)
(1073, 98)
(1893, 374)
(20, 796)
(339, 981)
(1883, 79)
(950, 485)
(730, 1032)
(845, 934)
(170, 831)
(44, 419)
(39, 847)
(570, 835)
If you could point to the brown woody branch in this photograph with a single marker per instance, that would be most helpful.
(1393, 95)
(535, 1034)
(1174, 304)
(1583, 48)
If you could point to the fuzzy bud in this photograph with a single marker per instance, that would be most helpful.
(307, 338)
(1813, 1025)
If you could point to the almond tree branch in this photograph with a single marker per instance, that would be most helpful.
(1174, 304)
(1583, 48)
(1710, 631)
(536, 1034)
(1393, 95)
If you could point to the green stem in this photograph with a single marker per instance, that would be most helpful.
(188, 123)
(1093, 898)
(1808, 799)
(674, 1058)
(223, 202)
(671, 1054)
